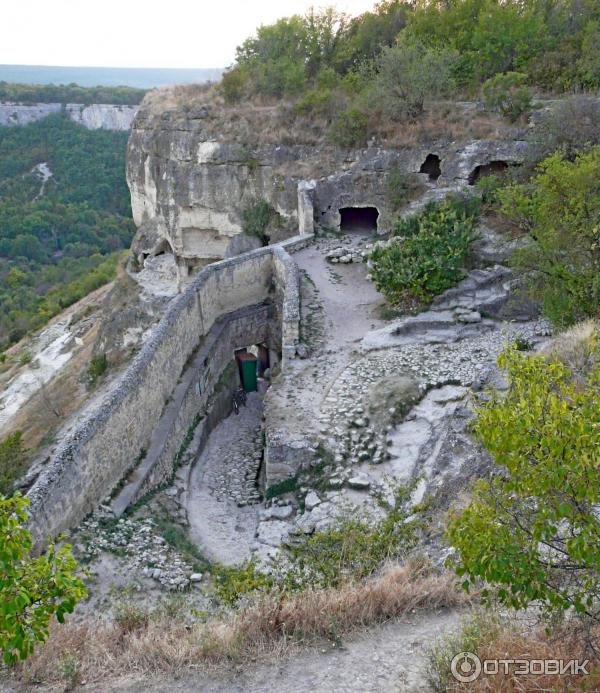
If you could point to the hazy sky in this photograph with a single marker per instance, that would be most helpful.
(139, 33)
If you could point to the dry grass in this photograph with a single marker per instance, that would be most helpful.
(270, 627)
(266, 121)
(536, 644)
(575, 347)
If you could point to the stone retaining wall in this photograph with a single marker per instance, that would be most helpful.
(96, 456)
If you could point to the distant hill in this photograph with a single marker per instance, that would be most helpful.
(140, 78)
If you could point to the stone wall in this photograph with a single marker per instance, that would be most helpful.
(93, 117)
(119, 429)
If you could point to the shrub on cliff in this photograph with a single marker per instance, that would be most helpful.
(571, 126)
(507, 94)
(32, 590)
(349, 129)
(12, 461)
(559, 210)
(532, 532)
(426, 253)
(256, 219)
(402, 187)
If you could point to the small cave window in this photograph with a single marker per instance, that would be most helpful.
(163, 247)
(431, 166)
(487, 170)
(362, 219)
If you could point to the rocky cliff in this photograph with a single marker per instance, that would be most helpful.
(195, 188)
(93, 117)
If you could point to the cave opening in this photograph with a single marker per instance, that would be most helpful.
(431, 166)
(358, 219)
(487, 170)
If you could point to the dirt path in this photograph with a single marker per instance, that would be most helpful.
(388, 659)
(350, 299)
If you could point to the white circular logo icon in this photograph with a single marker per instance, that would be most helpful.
(465, 667)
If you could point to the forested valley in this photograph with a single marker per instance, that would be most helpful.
(65, 218)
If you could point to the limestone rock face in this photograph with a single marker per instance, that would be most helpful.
(191, 189)
(93, 117)
(189, 193)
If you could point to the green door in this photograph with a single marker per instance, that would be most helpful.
(248, 363)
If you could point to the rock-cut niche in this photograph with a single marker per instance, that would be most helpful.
(431, 166)
(487, 170)
(362, 219)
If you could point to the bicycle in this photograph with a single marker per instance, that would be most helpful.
(239, 397)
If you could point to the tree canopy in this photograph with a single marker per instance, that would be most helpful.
(554, 43)
(59, 239)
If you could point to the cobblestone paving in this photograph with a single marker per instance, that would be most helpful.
(223, 496)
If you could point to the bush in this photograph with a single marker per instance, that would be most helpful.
(407, 74)
(32, 590)
(507, 94)
(571, 126)
(489, 188)
(559, 211)
(256, 219)
(13, 461)
(427, 254)
(97, 368)
(532, 532)
(349, 129)
(130, 617)
(402, 187)
(25, 358)
(233, 85)
(353, 548)
(233, 582)
(288, 485)
(317, 102)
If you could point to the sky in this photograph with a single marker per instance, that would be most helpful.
(140, 33)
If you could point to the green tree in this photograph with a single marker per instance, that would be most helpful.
(589, 62)
(407, 74)
(32, 590)
(560, 213)
(532, 531)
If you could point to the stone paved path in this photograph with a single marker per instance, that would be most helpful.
(222, 496)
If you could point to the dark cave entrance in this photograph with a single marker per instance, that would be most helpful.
(363, 219)
(431, 166)
(487, 170)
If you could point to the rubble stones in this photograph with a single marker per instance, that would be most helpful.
(138, 544)
(312, 500)
(360, 482)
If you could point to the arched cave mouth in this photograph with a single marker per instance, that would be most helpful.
(358, 219)
(487, 170)
(431, 166)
